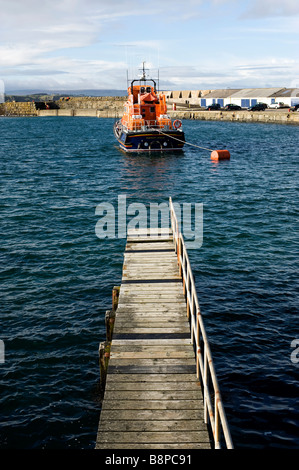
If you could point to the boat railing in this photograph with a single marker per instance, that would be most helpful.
(214, 412)
(147, 126)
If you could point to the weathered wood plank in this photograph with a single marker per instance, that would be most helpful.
(145, 230)
(148, 309)
(159, 302)
(163, 306)
(153, 426)
(161, 445)
(159, 245)
(154, 369)
(179, 378)
(154, 386)
(164, 343)
(150, 318)
(151, 329)
(152, 415)
(151, 361)
(153, 437)
(158, 354)
(175, 404)
(167, 395)
(153, 297)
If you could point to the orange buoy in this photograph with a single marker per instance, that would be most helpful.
(220, 155)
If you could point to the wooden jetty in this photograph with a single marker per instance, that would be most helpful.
(158, 372)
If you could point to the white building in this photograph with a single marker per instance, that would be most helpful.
(250, 96)
(242, 97)
(289, 96)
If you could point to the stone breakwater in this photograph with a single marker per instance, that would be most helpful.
(100, 106)
(279, 116)
(112, 107)
(100, 103)
(13, 108)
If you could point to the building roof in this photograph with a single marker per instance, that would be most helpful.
(256, 92)
(224, 93)
(195, 93)
(287, 92)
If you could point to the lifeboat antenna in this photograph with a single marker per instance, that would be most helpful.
(143, 78)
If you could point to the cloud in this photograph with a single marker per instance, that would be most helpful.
(272, 8)
(91, 43)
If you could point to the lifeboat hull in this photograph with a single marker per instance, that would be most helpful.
(149, 140)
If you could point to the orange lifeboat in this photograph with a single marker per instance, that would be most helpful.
(145, 124)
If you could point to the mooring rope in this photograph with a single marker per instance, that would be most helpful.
(188, 143)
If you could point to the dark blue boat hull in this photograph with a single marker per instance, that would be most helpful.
(152, 140)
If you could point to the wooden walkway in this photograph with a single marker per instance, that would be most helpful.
(152, 398)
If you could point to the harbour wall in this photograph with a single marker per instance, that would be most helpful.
(112, 107)
(107, 113)
(271, 116)
(279, 116)
(13, 108)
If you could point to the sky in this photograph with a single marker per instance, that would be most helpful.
(66, 45)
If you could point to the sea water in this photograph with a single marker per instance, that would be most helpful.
(57, 275)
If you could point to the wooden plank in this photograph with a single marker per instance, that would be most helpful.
(147, 230)
(153, 437)
(156, 354)
(149, 286)
(151, 362)
(180, 378)
(161, 445)
(153, 386)
(161, 245)
(148, 308)
(154, 304)
(153, 426)
(174, 316)
(153, 296)
(151, 369)
(154, 342)
(153, 329)
(153, 350)
(152, 415)
(152, 321)
(119, 404)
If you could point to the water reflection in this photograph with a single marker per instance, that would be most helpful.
(150, 175)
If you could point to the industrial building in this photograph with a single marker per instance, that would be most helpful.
(242, 97)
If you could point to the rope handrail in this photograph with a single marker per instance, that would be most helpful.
(215, 414)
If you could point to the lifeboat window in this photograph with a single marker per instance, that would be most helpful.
(142, 89)
(148, 89)
(152, 109)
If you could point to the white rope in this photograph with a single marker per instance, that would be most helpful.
(188, 143)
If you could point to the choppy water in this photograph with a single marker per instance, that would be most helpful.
(57, 276)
